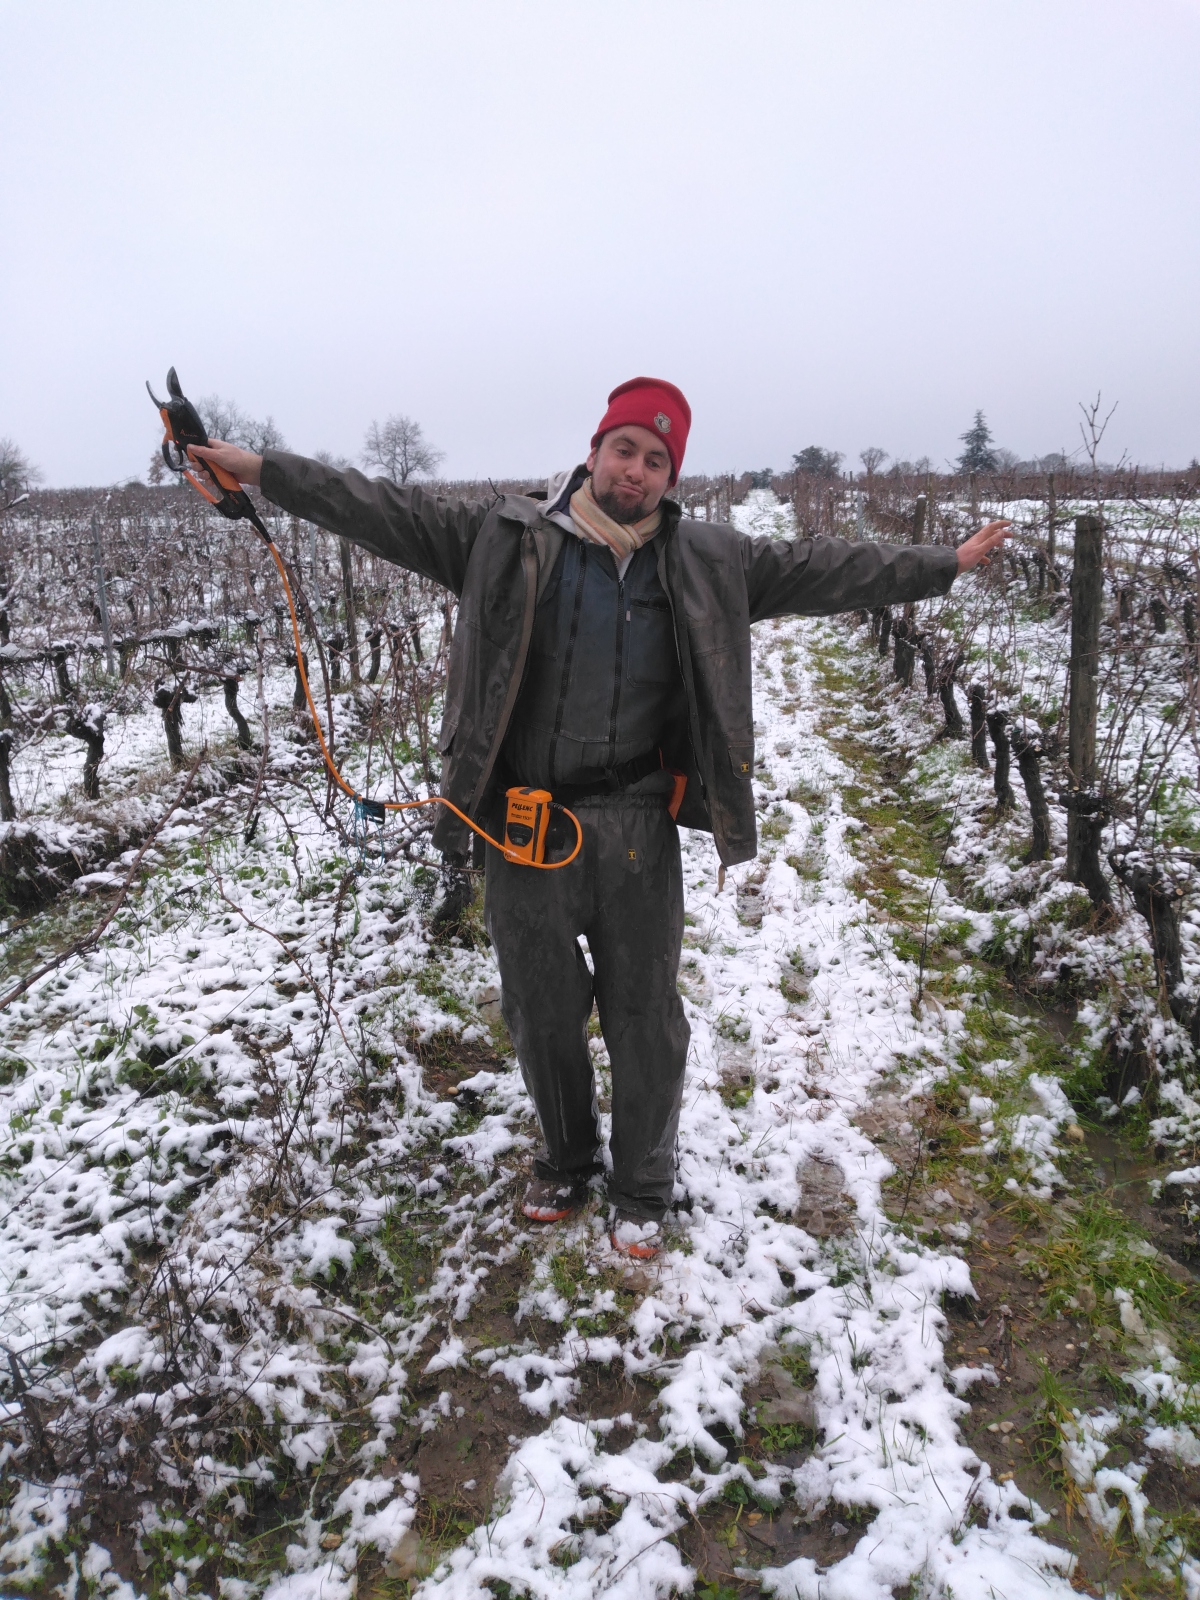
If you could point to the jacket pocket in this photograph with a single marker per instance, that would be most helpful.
(741, 759)
(449, 729)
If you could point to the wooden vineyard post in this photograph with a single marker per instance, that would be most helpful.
(1087, 593)
(351, 609)
(1085, 817)
(1051, 518)
(315, 563)
(918, 520)
(102, 596)
(8, 812)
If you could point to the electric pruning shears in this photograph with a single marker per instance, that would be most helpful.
(527, 816)
(183, 428)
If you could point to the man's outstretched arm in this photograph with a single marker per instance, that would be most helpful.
(402, 524)
(818, 577)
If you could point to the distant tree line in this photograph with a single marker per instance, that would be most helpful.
(980, 454)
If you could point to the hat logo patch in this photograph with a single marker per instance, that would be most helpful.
(662, 422)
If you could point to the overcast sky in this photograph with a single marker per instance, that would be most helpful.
(837, 223)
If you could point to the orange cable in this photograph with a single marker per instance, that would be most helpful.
(398, 805)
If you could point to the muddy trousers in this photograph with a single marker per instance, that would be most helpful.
(624, 894)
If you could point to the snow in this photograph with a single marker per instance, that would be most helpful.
(264, 986)
(554, 1480)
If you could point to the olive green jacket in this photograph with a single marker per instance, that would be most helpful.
(497, 557)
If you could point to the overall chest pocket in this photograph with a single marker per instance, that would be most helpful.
(650, 642)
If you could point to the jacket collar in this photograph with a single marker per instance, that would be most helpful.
(529, 513)
(559, 489)
(563, 485)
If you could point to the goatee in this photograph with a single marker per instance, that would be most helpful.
(618, 510)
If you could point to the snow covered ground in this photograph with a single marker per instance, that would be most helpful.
(47, 769)
(214, 1123)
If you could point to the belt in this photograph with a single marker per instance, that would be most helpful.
(613, 781)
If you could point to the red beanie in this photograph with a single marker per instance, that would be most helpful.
(654, 404)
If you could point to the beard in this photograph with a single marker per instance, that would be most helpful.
(618, 510)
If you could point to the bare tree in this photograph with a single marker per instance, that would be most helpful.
(1092, 429)
(17, 475)
(872, 459)
(225, 419)
(265, 435)
(398, 447)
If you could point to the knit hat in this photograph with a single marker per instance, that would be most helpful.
(650, 403)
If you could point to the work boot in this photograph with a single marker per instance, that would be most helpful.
(551, 1199)
(635, 1236)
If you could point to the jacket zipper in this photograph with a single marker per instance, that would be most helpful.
(580, 555)
(622, 624)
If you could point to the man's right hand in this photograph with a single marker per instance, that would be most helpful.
(244, 465)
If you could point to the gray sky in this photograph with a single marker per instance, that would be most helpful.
(840, 223)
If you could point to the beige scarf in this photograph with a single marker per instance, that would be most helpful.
(597, 527)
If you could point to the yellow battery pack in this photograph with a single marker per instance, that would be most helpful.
(525, 822)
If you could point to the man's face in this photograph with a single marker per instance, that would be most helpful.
(631, 471)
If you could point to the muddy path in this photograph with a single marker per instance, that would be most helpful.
(1048, 1270)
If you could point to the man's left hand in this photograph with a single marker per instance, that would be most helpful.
(977, 550)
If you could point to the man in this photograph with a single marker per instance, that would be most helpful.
(602, 651)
